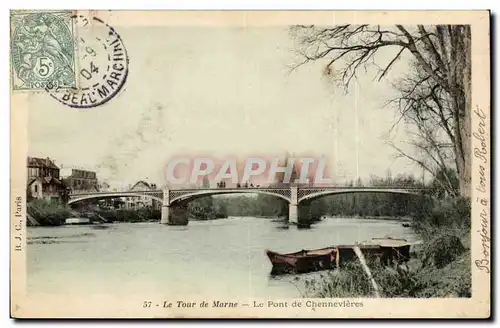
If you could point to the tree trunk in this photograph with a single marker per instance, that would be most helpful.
(460, 92)
(465, 131)
(463, 142)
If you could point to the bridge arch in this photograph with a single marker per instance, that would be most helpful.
(186, 197)
(316, 195)
(78, 199)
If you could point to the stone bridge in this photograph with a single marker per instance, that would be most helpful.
(297, 197)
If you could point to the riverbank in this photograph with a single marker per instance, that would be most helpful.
(375, 217)
(47, 213)
(55, 214)
(439, 268)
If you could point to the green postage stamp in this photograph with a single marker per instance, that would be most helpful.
(42, 50)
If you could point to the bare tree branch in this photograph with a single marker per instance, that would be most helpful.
(413, 48)
(432, 97)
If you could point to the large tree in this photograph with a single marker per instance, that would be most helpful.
(436, 90)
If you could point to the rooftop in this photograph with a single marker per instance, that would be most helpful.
(41, 162)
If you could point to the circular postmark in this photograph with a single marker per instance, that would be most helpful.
(42, 50)
(102, 65)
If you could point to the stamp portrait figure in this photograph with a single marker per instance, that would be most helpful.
(42, 48)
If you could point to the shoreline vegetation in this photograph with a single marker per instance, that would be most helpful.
(439, 267)
(436, 114)
(54, 214)
(362, 206)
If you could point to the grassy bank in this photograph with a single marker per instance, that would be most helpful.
(439, 268)
(48, 213)
(55, 214)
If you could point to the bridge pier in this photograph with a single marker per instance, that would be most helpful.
(299, 214)
(165, 214)
(294, 209)
(293, 214)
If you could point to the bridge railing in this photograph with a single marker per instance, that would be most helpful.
(301, 187)
(249, 187)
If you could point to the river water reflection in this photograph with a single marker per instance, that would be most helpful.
(222, 258)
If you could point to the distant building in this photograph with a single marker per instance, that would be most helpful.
(141, 201)
(43, 179)
(78, 180)
(104, 186)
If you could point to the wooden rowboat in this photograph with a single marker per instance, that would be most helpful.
(380, 250)
(303, 261)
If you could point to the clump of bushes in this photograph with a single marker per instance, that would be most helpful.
(48, 213)
(442, 250)
(451, 214)
(131, 215)
(206, 209)
(441, 268)
(452, 280)
(350, 281)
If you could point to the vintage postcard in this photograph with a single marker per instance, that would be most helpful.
(250, 164)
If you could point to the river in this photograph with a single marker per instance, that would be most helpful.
(206, 258)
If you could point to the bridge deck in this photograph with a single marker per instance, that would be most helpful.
(250, 188)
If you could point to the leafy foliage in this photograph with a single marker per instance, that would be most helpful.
(143, 214)
(355, 204)
(48, 213)
(206, 208)
(441, 268)
(450, 215)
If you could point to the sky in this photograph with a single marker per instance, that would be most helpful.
(219, 92)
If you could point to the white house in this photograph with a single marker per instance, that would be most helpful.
(141, 201)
